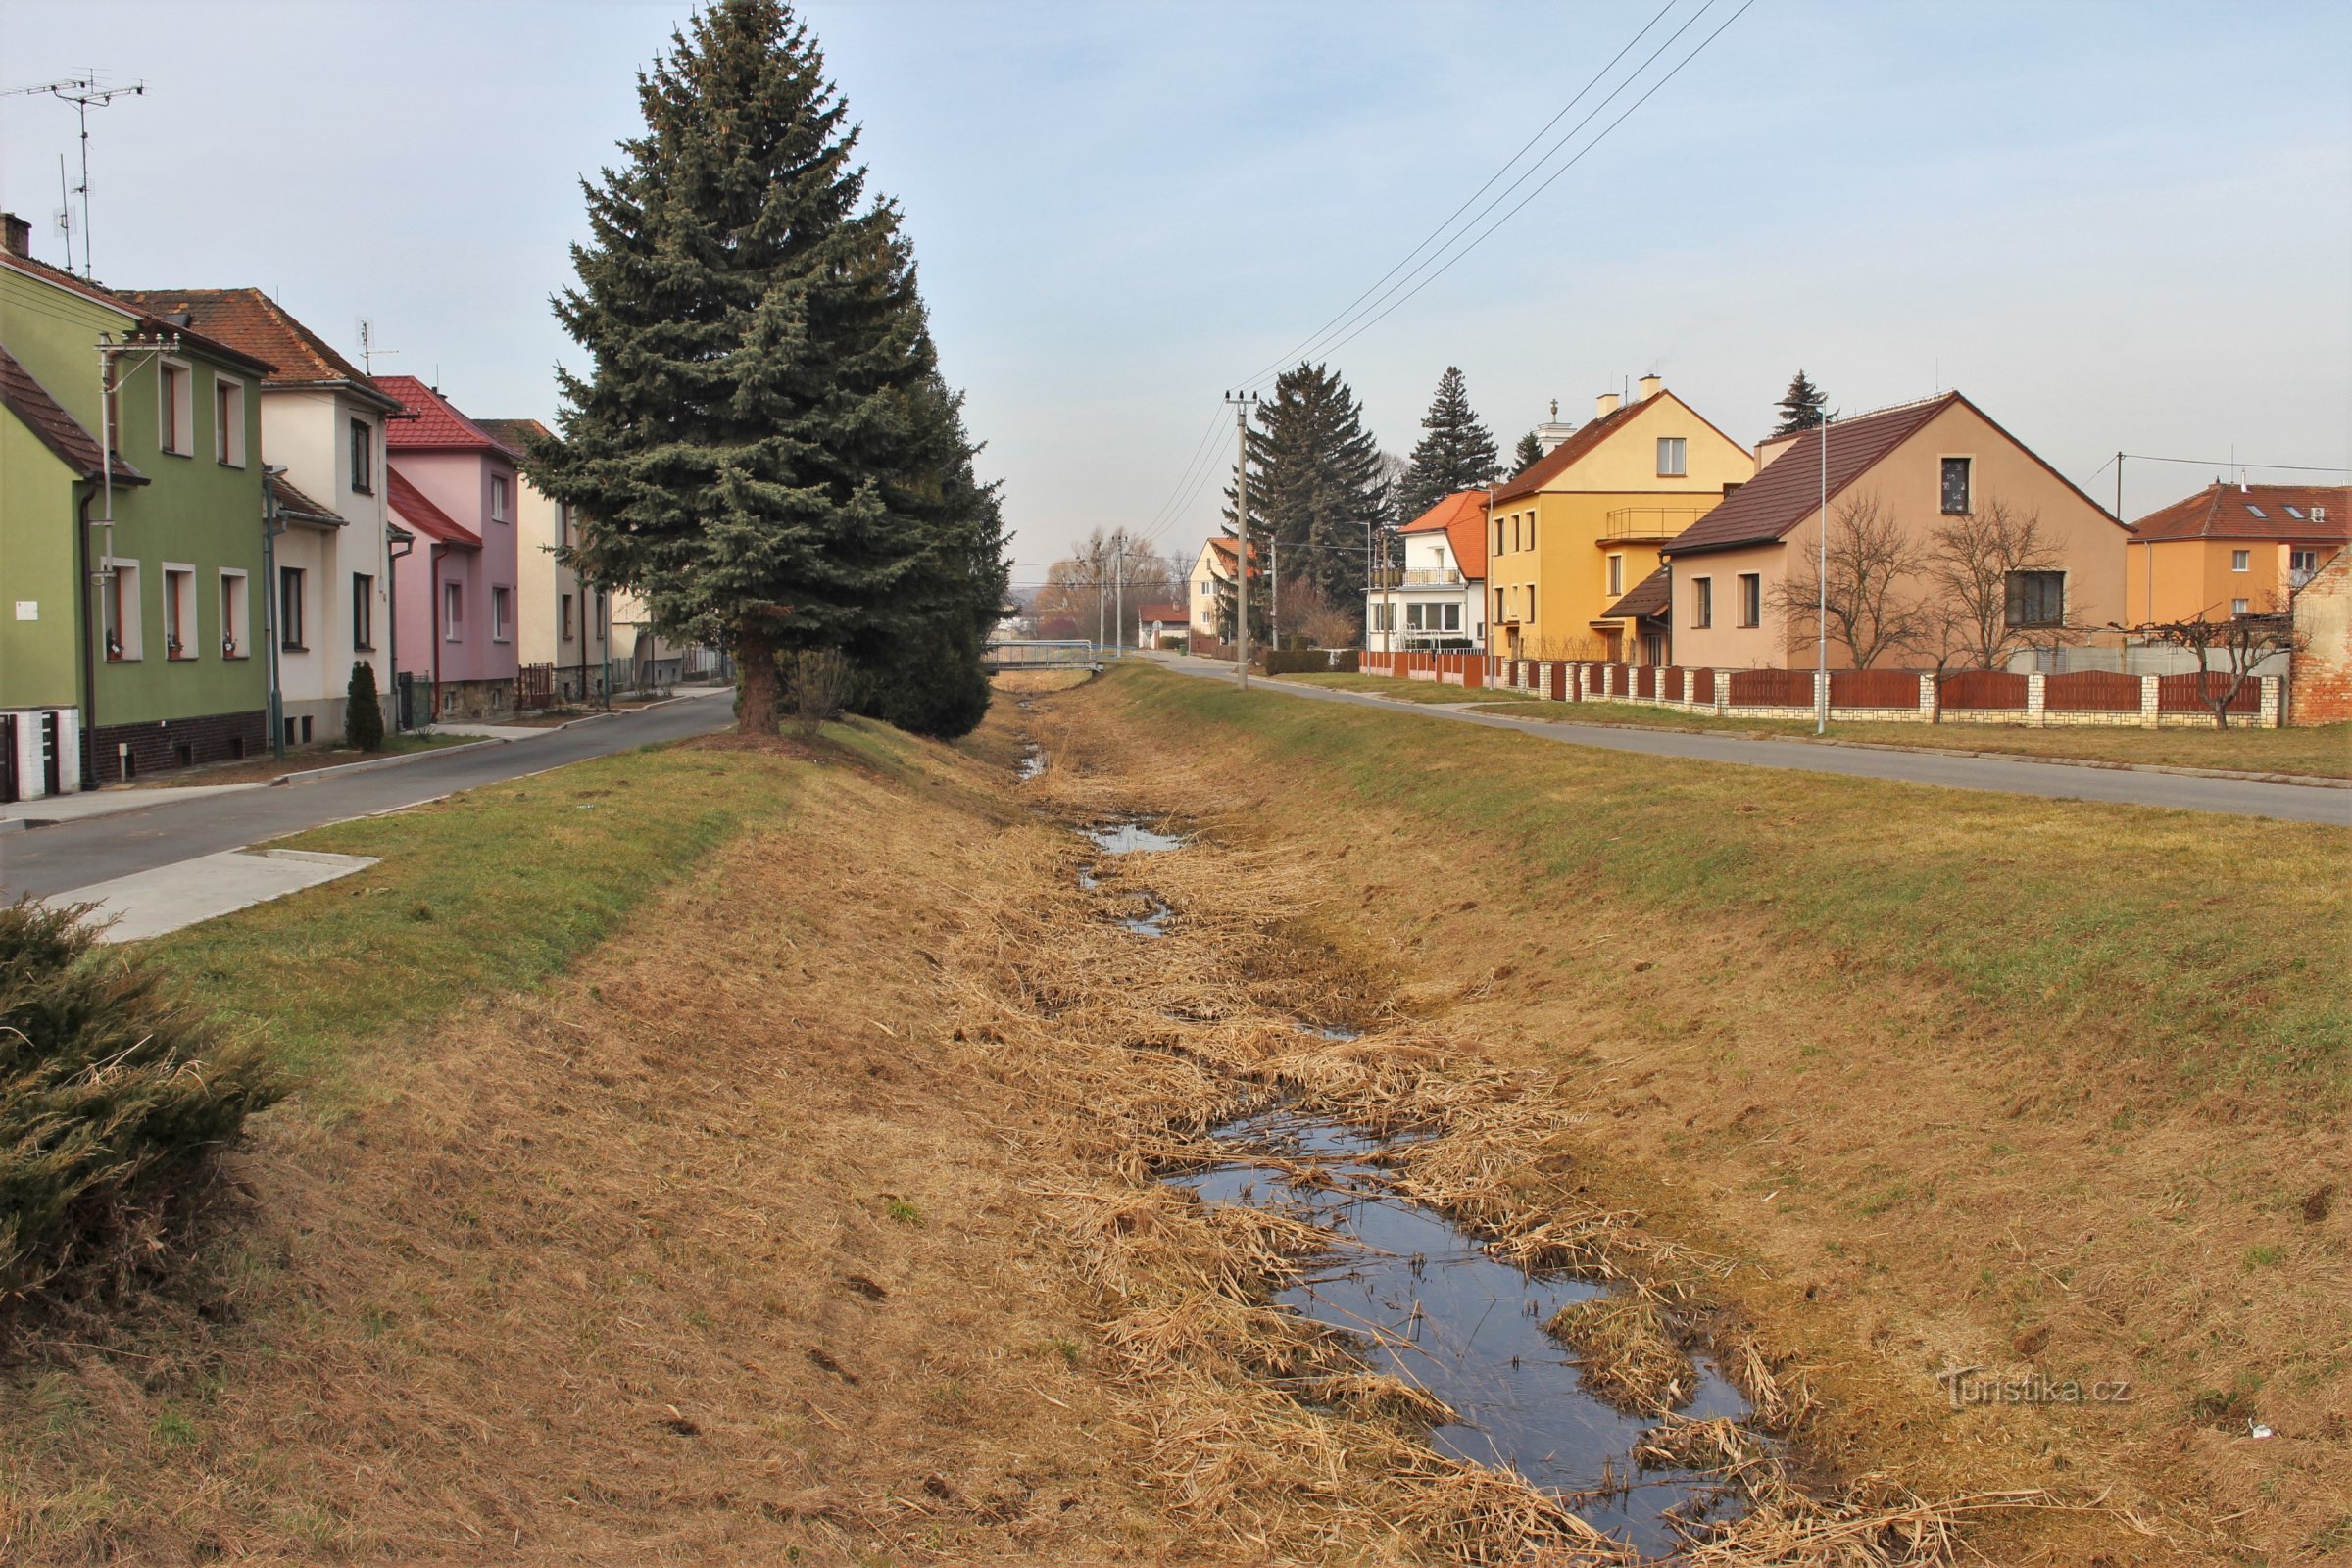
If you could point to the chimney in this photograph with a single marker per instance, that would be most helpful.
(1651, 386)
(1605, 405)
(20, 235)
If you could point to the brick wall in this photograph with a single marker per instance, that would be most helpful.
(155, 748)
(2323, 671)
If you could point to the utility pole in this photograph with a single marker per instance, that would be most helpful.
(1241, 403)
(1118, 616)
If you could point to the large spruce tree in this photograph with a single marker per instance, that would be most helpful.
(1315, 483)
(1801, 406)
(1457, 454)
(762, 447)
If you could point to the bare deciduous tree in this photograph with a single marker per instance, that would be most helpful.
(1099, 586)
(2244, 642)
(1870, 555)
(1976, 614)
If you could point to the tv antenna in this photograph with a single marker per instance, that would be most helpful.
(367, 349)
(84, 94)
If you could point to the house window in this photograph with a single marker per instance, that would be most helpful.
(1499, 612)
(1958, 478)
(498, 614)
(1499, 536)
(562, 525)
(453, 612)
(289, 609)
(1412, 617)
(2241, 560)
(363, 458)
(498, 498)
(175, 413)
(1453, 619)
(233, 643)
(1703, 601)
(121, 610)
(228, 421)
(1751, 598)
(362, 612)
(1531, 602)
(2237, 606)
(2036, 598)
(1674, 453)
(567, 618)
(1616, 575)
(1531, 530)
(2301, 567)
(179, 625)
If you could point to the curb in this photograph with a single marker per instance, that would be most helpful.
(313, 775)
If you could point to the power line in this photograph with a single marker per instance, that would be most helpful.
(2235, 462)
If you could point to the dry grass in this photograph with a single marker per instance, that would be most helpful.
(1627, 1352)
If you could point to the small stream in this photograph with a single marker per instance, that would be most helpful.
(1428, 1303)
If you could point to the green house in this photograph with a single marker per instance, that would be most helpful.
(133, 612)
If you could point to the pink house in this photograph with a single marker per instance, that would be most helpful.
(455, 490)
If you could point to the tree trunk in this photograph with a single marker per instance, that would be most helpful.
(757, 700)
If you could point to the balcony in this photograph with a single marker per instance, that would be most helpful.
(1432, 577)
(1649, 523)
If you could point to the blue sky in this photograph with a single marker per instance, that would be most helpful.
(2113, 225)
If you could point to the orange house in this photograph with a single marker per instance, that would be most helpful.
(2232, 549)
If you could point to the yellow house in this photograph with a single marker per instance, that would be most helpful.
(2232, 549)
(1573, 536)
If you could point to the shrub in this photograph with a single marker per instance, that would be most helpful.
(818, 683)
(113, 1093)
(363, 714)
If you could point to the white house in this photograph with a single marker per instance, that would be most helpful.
(323, 422)
(1437, 597)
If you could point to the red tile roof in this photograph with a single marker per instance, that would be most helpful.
(2255, 512)
(249, 320)
(514, 434)
(439, 426)
(53, 426)
(1551, 465)
(1224, 545)
(412, 507)
(295, 506)
(1162, 614)
(148, 321)
(1463, 516)
(1788, 489)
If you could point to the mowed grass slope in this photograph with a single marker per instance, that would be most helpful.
(1960, 1079)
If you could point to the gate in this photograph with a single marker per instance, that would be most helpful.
(535, 686)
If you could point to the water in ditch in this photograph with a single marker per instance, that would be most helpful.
(1133, 838)
(1430, 1305)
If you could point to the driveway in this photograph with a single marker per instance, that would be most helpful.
(2294, 803)
(49, 861)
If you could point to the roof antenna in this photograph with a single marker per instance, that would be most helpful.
(84, 94)
(367, 347)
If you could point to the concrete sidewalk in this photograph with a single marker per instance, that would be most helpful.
(148, 904)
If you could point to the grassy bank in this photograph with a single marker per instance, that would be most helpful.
(2321, 751)
(2029, 1085)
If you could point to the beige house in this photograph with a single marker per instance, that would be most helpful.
(559, 621)
(1918, 461)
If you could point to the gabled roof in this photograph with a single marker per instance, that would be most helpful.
(1462, 517)
(439, 426)
(295, 506)
(1164, 614)
(55, 428)
(1226, 553)
(412, 505)
(514, 434)
(1788, 489)
(147, 320)
(2254, 511)
(1551, 465)
(1650, 598)
(249, 320)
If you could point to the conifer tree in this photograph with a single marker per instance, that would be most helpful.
(763, 441)
(1801, 406)
(1315, 483)
(1526, 453)
(1457, 454)
(362, 714)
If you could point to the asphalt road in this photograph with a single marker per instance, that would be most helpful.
(2294, 803)
(49, 861)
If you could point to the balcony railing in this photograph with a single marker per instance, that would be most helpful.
(1651, 523)
(1432, 577)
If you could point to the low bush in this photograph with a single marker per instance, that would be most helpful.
(114, 1092)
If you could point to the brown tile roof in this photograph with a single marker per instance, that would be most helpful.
(1162, 614)
(437, 425)
(2254, 511)
(53, 426)
(296, 506)
(1788, 489)
(514, 434)
(1649, 596)
(1551, 465)
(249, 320)
(414, 508)
(1464, 517)
(147, 320)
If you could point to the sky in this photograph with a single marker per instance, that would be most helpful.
(2114, 226)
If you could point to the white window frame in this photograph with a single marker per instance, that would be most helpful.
(180, 615)
(296, 626)
(453, 611)
(236, 614)
(175, 407)
(2241, 560)
(1616, 577)
(500, 488)
(501, 604)
(1677, 448)
(229, 422)
(122, 604)
(2238, 606)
